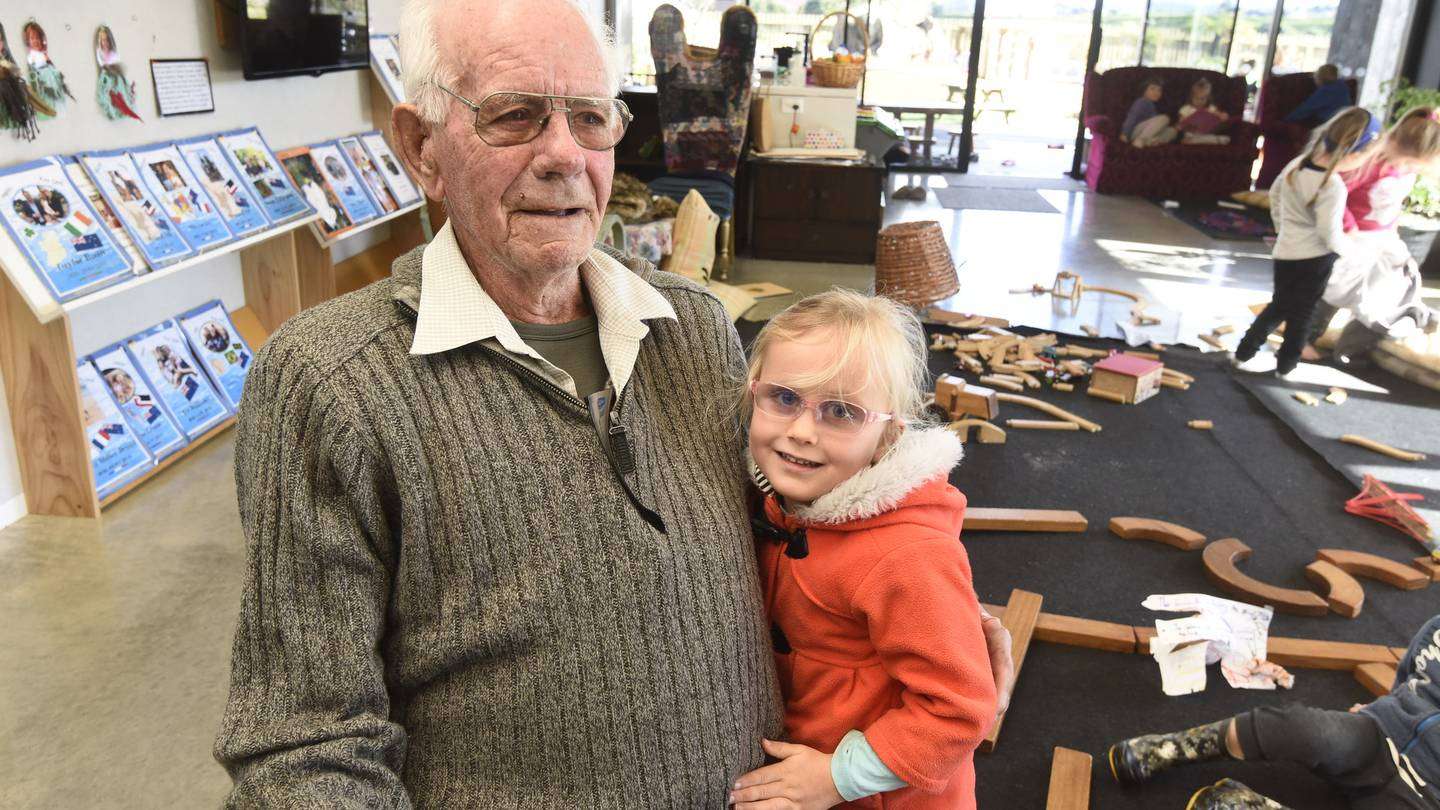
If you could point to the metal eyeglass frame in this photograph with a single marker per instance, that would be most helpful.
(625, 113)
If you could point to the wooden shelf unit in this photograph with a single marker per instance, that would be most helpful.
(285, 270)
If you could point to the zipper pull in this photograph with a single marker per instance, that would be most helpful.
(620, 444)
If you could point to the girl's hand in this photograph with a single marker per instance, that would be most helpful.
(799, 781)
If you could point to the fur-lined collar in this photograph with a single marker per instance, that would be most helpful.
(917, 457)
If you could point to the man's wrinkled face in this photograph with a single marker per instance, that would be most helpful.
(534, 208)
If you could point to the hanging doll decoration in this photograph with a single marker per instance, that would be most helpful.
(45, 79)
(16, 110)
(115, 93)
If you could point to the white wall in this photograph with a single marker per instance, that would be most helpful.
(289, 112)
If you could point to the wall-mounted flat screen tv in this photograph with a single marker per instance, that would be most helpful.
(304, 37)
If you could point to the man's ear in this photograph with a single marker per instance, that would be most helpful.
(413, 140)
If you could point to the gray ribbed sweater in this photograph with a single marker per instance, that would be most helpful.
(450, 599)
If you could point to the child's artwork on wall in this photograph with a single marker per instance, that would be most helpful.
(46, 80)
(395, 177)
(301, 168)
(256, 165)
(345, 182)
(116, 455)
(163, 359)
(143, 411)
(114, 173)
(17, 112)
(234, 199)
(219, 348)
(365, 167)
(181, 195)
(58, 231)
(113, 90)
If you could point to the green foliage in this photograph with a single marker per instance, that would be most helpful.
(1402, 97)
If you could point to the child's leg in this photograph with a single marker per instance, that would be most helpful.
(1302, 290)
(1139, 758)
(1270, 317)
(1150, 130)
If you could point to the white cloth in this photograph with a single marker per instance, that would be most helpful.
(455, 311)
(1380, 285)
(1309, 217)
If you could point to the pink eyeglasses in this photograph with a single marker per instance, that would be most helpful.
(833, 414)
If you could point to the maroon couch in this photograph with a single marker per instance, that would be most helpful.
(1283, 141)
(1172, 171)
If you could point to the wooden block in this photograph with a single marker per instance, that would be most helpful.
(1089, 633)
(1021, 614)
(1054, 411)
(1372, 566)
(984, 519)
(960, 400)
(1341, 590)
(1179, 375)
(1376, 678)
(1171, 534)
(1177, 384)
(1090, 330)
(989, 434)
(1371, 444)
(1213, 341)
(1220, 558)
(1060, 386)
(1069, 781)
(1001, 383)
(1398, 653)
(1201, 424)
(1146, 355)
(1143, 635)
(1222, 330)
(1305, 398)
(1317, 654)
(1101, 393)
(1428, 566)
(1040, 424)
(1337, 396)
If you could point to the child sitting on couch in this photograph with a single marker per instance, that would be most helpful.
(1200, 121)
(1145, 125)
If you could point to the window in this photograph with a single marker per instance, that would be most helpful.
(1189, 33)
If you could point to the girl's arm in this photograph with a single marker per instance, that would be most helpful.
(924, 621)
(1330, 218)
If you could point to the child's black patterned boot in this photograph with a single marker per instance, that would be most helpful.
(1139, 758)
(1227, 794)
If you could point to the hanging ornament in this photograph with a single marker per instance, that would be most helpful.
(45, 79)
(16, 110)
(115, 93)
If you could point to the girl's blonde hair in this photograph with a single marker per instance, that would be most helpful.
(1415, 136)
(884, 337)
(1334, 139)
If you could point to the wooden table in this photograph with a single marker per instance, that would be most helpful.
(930, 110)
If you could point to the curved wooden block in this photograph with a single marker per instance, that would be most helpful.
(989, 433)
(1171, 534)
(1373, 566)
(1342, 591)
(1220, 557)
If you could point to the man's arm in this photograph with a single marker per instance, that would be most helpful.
(307, 723)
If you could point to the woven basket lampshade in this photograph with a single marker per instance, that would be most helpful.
(913, 264)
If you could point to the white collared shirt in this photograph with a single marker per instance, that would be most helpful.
(455, 311)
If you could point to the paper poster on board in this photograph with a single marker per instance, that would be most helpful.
(385, 61)
(390, 167)
(116, 456)
(54, 226)
(235, 200)
(361, 163)
(114, 173)
(162, 356)
(346, 182)
(253, 161)
(219, 348)
(181, 195)
(87, 189)
(138, 402)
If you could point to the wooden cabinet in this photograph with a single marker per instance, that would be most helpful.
(808, 211)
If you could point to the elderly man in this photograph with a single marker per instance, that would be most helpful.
(499, 552)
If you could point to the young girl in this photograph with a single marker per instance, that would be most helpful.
(1144, 124)
(875, 623)
(1382, 288)
(1307, 202)
(1199, 120)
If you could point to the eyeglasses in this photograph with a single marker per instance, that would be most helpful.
(832, 414)
(510, 118)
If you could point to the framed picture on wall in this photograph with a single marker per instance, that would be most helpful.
(390, 168)
(119, 182)
(116, 456)
(334, 219)
(162, 356)
(60, 234)
(182, 86)
(233, 199)
(256, 165)
(374, 182)
(143, 411)
(219, 348)
(347, 183)
(185, 201)
(385, 61)
(87, 189)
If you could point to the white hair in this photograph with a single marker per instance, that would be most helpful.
(422, 66)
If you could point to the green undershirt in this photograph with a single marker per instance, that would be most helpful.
(572, 347)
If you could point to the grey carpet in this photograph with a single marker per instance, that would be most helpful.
(1011, 181)
(994, 199)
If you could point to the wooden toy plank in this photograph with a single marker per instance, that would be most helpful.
(1041, 405)
(1342, 591)
(1069, 780)
(1376, 678)
(1372, 566)
(1171, 534)
(989, 519)
(1428, 566)
(1307, 653)
(1201, 424)
(989, 434)
(1020, 616)
(1040, 424)
(1219, 559)
(1379, 447)
(1073, 631)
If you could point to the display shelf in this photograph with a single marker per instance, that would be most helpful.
(170, 460)
(181, 266)
(364, 226)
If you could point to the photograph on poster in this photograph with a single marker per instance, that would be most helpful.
(119, 181)
(163, 358)
(76, 173)
(345, 181)
(257, 166)
(233, 199)
(181, 195)
(219, 348)
(389, 165)
(301, 168)
(374, 181)
(143, 411)
(385, 61)
(54, 226)
(116, 456)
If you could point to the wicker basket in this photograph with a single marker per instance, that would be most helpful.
(828, 72)
(913, 264)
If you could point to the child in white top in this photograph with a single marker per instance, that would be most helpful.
(1307, 203)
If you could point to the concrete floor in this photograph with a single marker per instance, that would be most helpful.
(117, 634)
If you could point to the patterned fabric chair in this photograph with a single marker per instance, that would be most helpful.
(1283, 141)
(1173, 171)
(704, 103)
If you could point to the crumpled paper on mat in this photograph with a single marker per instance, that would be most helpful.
(1233, 633)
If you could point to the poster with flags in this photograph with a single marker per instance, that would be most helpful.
(116, 456)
